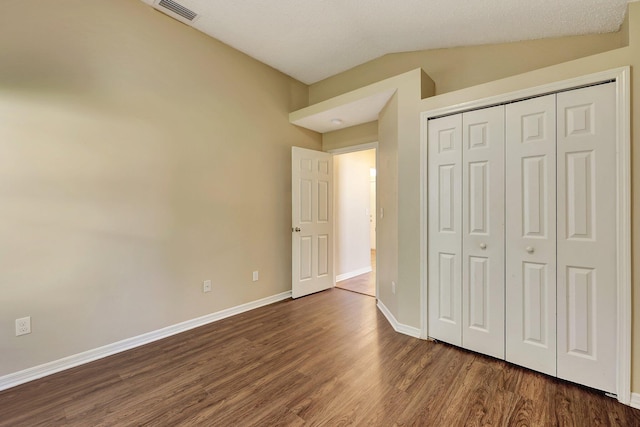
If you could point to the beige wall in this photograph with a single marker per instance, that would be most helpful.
(500, 69)
(354, 135)
(387, 201)
(462, 67)
(138, 157)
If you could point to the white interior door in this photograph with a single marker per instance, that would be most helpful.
(587, 290)
(483, 231)
(531, 234)
(445, 229)
(312, 216)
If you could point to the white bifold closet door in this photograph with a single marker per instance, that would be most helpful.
(531, 233)
(561, 227)
(483, 231)
(445, 229)
(587, 310)
(522, 233)
(466, 230)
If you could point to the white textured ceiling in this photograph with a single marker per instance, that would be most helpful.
(313, 39)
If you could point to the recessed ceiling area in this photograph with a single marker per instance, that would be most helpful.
(324, 117)
(313, 40)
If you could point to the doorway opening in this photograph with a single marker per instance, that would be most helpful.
(355, 220)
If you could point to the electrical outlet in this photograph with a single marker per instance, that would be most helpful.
(255, 276)
(206, 286)
(393, 288)
(23, 326)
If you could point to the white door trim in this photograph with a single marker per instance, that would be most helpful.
(623, 200)
(354, 148)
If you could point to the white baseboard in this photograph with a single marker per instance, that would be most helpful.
(635, 400)
(349, 275)
(30, 374)
(397, 326)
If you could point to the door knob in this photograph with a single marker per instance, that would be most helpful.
(297, 229)
(530, 249)
(483, 246)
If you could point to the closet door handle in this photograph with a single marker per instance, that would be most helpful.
(530, 249)
(483, 246)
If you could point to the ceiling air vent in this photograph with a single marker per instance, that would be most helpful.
(177, 8)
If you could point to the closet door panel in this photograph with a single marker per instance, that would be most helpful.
(531, 233)
(483, 231)
(445, 229)
(586, 237)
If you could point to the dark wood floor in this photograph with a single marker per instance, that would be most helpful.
(363, 284)
(326, 359)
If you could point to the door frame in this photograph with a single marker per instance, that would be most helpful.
(345, 150)
(621, 77)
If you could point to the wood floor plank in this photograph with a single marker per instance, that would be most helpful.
(364, 283)
(328, 359)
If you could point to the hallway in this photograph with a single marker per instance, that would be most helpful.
(363, 284)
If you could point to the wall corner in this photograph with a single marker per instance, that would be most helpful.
(427, 85)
